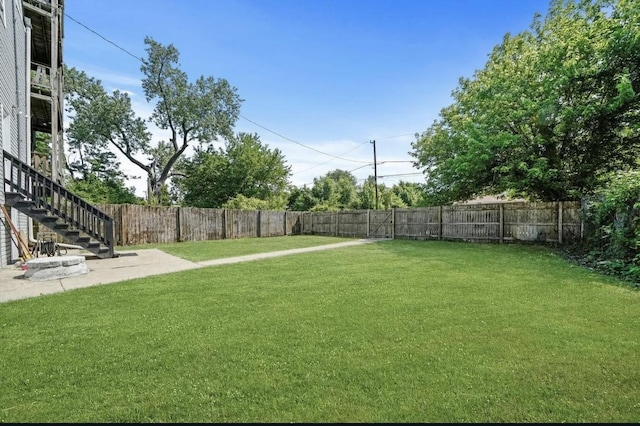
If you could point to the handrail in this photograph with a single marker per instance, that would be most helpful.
(24, 179)
(40, 75)
(40, 4)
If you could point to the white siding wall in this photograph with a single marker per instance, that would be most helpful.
(13, 97)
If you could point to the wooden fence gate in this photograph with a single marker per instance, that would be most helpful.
(380, 224)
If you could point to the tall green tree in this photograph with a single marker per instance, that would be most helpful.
(93, 111)
(554, 110)
(103, 191)
(276, 202)
(336, 190)
(387, 197)
(192, 112)
(367, 194)
(411, 194)
(301, 199)
(244, 166)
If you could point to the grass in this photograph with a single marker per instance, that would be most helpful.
(198, 251)
(397, 331)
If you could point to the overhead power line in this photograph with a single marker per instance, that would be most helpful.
(331, 159)
(255, 123)
(358, 168)
(353, 149)
(249, 120)
(348, 171)
(301, 144)
(399, 174)
(393, 137)
(104, 38)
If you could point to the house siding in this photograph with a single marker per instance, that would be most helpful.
(14, 89)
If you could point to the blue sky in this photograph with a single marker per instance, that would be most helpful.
(329, 74)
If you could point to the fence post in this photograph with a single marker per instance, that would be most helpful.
(302, 223)
(117, 216)
(178, 224)
(439, 222)
(224, 224)
(368, 221)
(258, 230)
(124, 213)
(285, 223)
(337, 219)
(268, 223)
(501, 220)
(393, 223)
(560, 222)
(311, 223)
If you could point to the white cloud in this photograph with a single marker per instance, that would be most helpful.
(392, 158)
(112, 78)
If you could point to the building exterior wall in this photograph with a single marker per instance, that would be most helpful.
(14, 89)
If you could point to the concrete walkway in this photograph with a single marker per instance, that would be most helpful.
(130, 265)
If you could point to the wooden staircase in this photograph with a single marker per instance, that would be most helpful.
(53, 206)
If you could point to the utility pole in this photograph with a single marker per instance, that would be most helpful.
(375, 171)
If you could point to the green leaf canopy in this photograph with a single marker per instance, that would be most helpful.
(553, 111)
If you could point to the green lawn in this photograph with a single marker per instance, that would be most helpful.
(397, 331)
(198, 251)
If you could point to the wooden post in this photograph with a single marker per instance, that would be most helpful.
(368, 221)
(560, 222)
(583, 209)
(268, 223)
(337, 219)
(119, 230)
(311, 223)
(259, 217)
(224, 224)
(285, 223)
(439, 222)
(19, 242)
(501, 226)
(393, 223)
(56, 165)
(178, 230)
(124, 213)
(302, 223)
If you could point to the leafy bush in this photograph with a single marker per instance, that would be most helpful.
(108, 191)
(615, 220)
(241, 202)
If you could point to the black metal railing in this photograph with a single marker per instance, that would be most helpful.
(45, 193)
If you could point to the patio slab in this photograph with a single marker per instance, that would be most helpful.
(130, 265)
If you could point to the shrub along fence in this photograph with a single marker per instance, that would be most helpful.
(558, 222)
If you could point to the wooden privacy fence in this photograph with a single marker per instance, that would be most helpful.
(518, 221)
(136, 224)
(547, 222)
